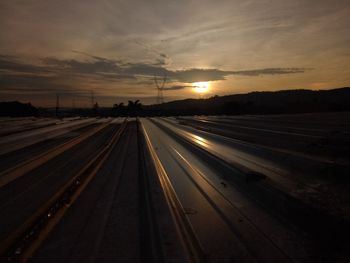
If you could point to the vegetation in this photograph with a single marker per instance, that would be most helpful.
(133, 109)
(17, 109)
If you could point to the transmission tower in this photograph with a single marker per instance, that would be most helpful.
(160, 88)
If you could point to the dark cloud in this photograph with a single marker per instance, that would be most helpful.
(55, 76)
(19, 76)
(68, 75)
(6, 57)
(145, 81)
(269, 71)
(177, 87)
(196, 75)
(52, 69)
(112, 70)
(160, 62)
(10, 63)
(83, 67)
(34, 84)
(163, 55)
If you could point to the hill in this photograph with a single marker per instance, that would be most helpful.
(274, 102)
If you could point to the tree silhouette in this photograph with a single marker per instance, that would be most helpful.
(118, 109)
(134, 108)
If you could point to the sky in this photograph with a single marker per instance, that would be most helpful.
(115, 48)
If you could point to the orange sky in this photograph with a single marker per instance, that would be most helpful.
(115, 48)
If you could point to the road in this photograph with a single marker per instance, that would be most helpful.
(13, 158)
(22, 197)
(208, 199)
(111, 221)
(185, 189)
(17, 125)
(278, 192)
(289, 158)
(18, 140)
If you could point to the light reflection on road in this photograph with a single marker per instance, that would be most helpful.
(201, 141)
(234, 156)
(208, 199)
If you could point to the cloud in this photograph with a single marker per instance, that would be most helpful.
(10, 63)
(196, 75)
(164, 55)
(89, 55)
(162, 59)
(109, 69)
(51, 75)
(177, 87)
(71, 75)
(116, 76)
(83, 67)
(269, 71)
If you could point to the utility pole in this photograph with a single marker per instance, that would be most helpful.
(57, 104)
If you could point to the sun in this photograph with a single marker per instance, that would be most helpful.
(200, 87)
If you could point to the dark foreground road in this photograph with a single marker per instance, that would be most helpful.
(180, 190)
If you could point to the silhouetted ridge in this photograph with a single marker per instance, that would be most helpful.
(266, 102)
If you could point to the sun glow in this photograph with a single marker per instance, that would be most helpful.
(200, 87)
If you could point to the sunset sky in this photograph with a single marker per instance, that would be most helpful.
(115, 48)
